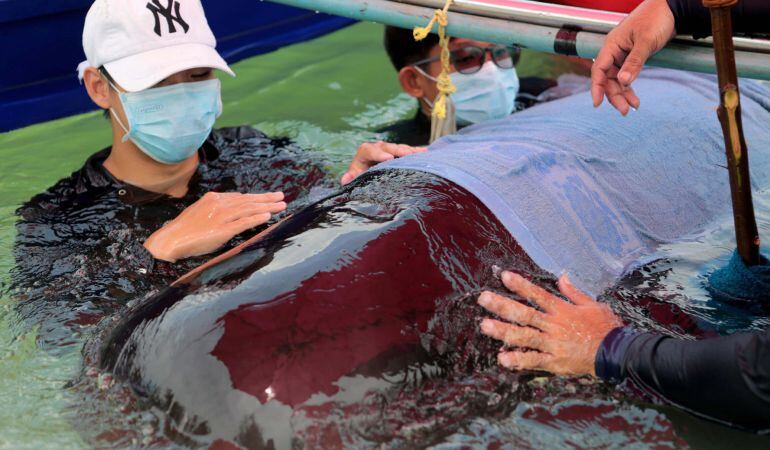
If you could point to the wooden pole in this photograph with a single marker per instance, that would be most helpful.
(729, 112)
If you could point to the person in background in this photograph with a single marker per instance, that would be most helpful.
(726, 379)
(484, 74)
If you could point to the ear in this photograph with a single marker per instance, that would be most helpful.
(97, 87)
(411, 82)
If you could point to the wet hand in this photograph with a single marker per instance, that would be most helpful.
(209, 223)
(645, 31)
(562, 337)
(373, 153)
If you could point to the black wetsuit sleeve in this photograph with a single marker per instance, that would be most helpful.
(725, 379)
(749, 17)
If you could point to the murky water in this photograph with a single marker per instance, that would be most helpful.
(329, 95)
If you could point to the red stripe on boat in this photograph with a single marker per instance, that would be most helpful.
(620, 6)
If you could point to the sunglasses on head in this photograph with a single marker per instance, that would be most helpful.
(469, 59)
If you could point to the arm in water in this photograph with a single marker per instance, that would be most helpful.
(648, 29)
(725, 379)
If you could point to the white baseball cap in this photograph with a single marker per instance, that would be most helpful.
(141, 42)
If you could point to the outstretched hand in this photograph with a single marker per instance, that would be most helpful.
(373, 153)
(645, 31)
(560, 337)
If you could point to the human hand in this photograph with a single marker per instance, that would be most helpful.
(646, 30)
(563, 337)
(372, 153)
(210, 222)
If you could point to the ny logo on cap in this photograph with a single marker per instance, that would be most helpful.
(159, 10)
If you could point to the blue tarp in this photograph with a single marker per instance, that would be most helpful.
(595, 194)
(41, 47)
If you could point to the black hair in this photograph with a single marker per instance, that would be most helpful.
(403, 50)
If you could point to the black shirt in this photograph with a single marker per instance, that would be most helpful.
(414, 131)
(79, 248)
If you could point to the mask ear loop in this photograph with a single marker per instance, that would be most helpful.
(431, 78)
(115, 115)
(425, 74)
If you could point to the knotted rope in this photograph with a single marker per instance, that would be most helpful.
(443, 83)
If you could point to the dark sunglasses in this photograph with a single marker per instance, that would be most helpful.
(469, 59)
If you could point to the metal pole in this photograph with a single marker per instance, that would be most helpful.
(677, 55)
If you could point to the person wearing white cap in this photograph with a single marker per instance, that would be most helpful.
(150, 64)
(168, 191)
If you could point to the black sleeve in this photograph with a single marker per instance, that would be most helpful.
(725, 379)
(749, 17)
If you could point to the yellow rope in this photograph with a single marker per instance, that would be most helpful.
(444, 83)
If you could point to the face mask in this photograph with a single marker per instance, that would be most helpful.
(170, 123)
(488, 94)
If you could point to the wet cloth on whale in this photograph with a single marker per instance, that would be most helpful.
(593, 193)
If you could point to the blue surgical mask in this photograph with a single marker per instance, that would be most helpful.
(170, 123)
(488, 94)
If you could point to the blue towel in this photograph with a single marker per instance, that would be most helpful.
(591, 193)
(741, 284)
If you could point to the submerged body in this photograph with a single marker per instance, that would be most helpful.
(354, 321)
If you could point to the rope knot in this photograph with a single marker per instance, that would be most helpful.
(439, 16)
(444, 83)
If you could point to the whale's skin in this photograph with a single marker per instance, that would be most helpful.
(366, 289)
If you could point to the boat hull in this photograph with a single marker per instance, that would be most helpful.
(41, 47)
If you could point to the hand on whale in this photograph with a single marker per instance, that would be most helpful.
(212, 221)
(564, 336)
(370, 154)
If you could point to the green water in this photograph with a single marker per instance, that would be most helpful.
(329, 95)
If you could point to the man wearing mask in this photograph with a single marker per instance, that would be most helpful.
(484, 74)
(168, 189)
